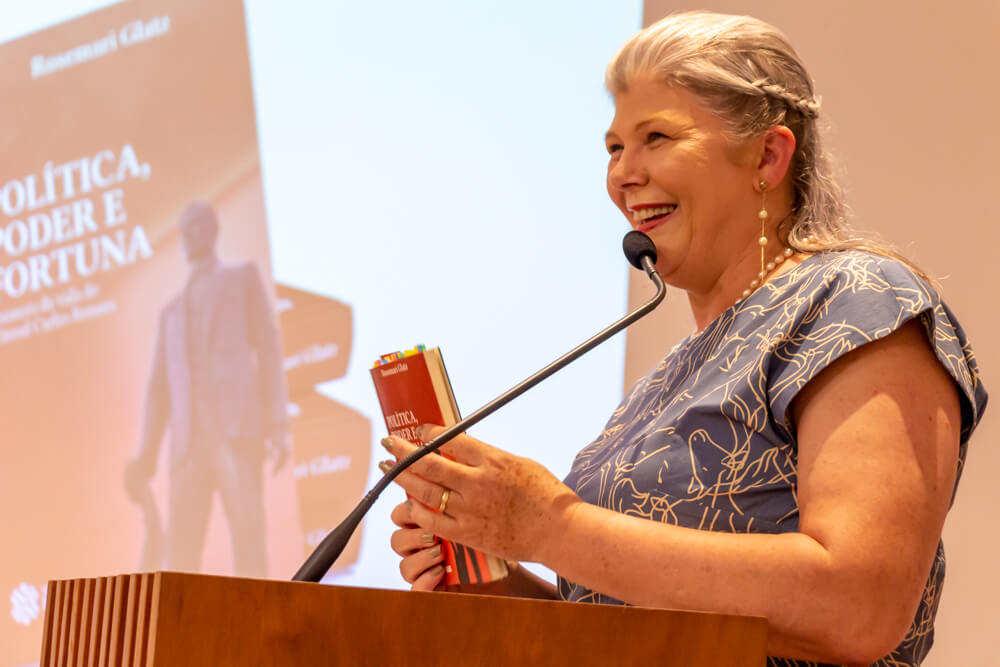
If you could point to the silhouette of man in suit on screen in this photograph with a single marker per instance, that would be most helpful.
(217, 384)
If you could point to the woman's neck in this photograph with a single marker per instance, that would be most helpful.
(733, 281)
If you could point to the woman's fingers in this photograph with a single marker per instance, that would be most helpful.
(432, 467)
(421, 565)
(401, 516)
(433, 521)
(461, 452)
(462, 448)
(430, 579)
(410, 540)
(428, 493)
(412, 567)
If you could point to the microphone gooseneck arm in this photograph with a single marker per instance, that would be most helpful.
(323, 557)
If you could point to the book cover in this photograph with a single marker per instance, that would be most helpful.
(128, 132)
(413, 389)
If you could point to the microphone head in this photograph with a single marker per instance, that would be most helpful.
(636, 244)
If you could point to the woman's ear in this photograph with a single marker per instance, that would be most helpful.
(777, 149)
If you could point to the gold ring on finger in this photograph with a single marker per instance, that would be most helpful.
(445, 494)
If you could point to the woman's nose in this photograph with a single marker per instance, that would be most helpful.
(627, 171)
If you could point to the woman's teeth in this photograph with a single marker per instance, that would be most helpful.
(647, 213)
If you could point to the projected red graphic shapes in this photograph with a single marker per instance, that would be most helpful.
(331, 442)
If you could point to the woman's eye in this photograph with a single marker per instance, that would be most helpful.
(655, 136)
(614, 148)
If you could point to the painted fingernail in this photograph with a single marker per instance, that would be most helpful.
(435, 551)
(387, 444)
(427, 538)
(385, 466)
(436, 571)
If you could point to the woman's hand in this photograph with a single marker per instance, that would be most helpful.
(422, 568)
(499, 503)
(421, 551)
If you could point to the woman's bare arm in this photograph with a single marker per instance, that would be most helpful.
(878, 444)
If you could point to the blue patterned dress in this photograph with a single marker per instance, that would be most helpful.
(706, 439)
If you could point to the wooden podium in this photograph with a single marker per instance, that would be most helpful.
(168, 619)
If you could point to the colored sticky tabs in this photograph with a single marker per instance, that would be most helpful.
(400, 354)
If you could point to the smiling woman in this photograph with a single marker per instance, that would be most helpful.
(777, 462)
(677, 177)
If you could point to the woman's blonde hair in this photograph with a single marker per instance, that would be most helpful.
(748, 74)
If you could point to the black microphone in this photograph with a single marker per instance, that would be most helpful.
(636, 246)
(642, 254)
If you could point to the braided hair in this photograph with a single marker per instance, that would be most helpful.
(748, 74)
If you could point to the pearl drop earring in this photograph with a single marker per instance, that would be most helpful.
(763, 219)
(778, 259)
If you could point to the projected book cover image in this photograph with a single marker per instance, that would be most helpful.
(413, 389)
(138, 336)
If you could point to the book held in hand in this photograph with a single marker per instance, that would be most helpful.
(413, 389)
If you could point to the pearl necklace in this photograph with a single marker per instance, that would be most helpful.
(759, 280)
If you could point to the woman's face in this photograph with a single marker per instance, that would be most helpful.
(676, 177)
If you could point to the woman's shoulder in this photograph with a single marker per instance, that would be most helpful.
(850, 287)
(856, 272)
(834, 302)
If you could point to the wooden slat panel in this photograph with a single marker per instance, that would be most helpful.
(46, 657)
(96, 622)
(154, 611)
(76, 604)
(104, 655)
(86, 614)
(63, 642)
(128, 637)
(118, 620)
(57, 587)
(142, 620)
